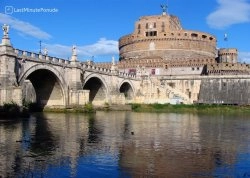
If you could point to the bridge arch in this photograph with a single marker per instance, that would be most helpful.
(47, 83)
(98, 89)
(127, 88)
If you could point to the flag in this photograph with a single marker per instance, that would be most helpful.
(225, 37)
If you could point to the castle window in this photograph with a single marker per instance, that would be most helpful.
(132, 71)
(154, 25)
(153, 71)
(146, 25)
(163, 27)
(194, 35)
(204, 36)
(151, 33)
(139, 26)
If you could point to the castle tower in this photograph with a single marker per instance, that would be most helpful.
(228, 55)
(163, 36)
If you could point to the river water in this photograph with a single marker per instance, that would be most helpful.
(126, 144)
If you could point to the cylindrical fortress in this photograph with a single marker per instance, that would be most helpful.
(163, 36)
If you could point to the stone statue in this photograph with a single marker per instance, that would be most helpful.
(164, 8)
(113, 60)
(45, 51)
(74, 50)
(74, 54)
(5, 30)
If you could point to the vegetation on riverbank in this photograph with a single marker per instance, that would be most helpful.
(12, 111)
(195, 108)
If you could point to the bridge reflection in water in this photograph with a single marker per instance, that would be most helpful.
(126, 144)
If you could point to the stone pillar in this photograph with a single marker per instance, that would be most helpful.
(75, 72)
(114, 69)
(79, 97)
(10, 91)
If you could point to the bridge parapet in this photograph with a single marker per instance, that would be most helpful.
(126, 75)
(95, 68)
(40, 57)
(107, 71)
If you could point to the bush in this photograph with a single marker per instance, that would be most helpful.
(89, 108)
(11, 108)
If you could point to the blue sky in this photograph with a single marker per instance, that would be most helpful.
(95, 26)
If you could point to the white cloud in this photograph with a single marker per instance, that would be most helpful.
(102, 47)
(24, 27)
(229, 12)
(244, 57)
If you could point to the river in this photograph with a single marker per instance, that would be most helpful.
(126, 144)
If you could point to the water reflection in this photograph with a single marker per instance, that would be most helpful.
(126, 144)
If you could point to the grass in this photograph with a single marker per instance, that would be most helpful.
(190, 108)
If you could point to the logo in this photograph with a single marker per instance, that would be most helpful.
(9, 9)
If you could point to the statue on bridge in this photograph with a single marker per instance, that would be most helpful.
(45, 51)
(74, 53)
(5, 30)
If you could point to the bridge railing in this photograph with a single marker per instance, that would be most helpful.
(26, 55)
(40, 57)
(123, 74)
(95, 68)
(84, 65)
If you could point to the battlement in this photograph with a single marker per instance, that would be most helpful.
(228, 69)
(229, 55)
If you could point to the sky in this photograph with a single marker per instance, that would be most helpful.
(95, 26)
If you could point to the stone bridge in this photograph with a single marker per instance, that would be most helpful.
(56, 82)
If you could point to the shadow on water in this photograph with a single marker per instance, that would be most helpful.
(43, 141)
(94, 131)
